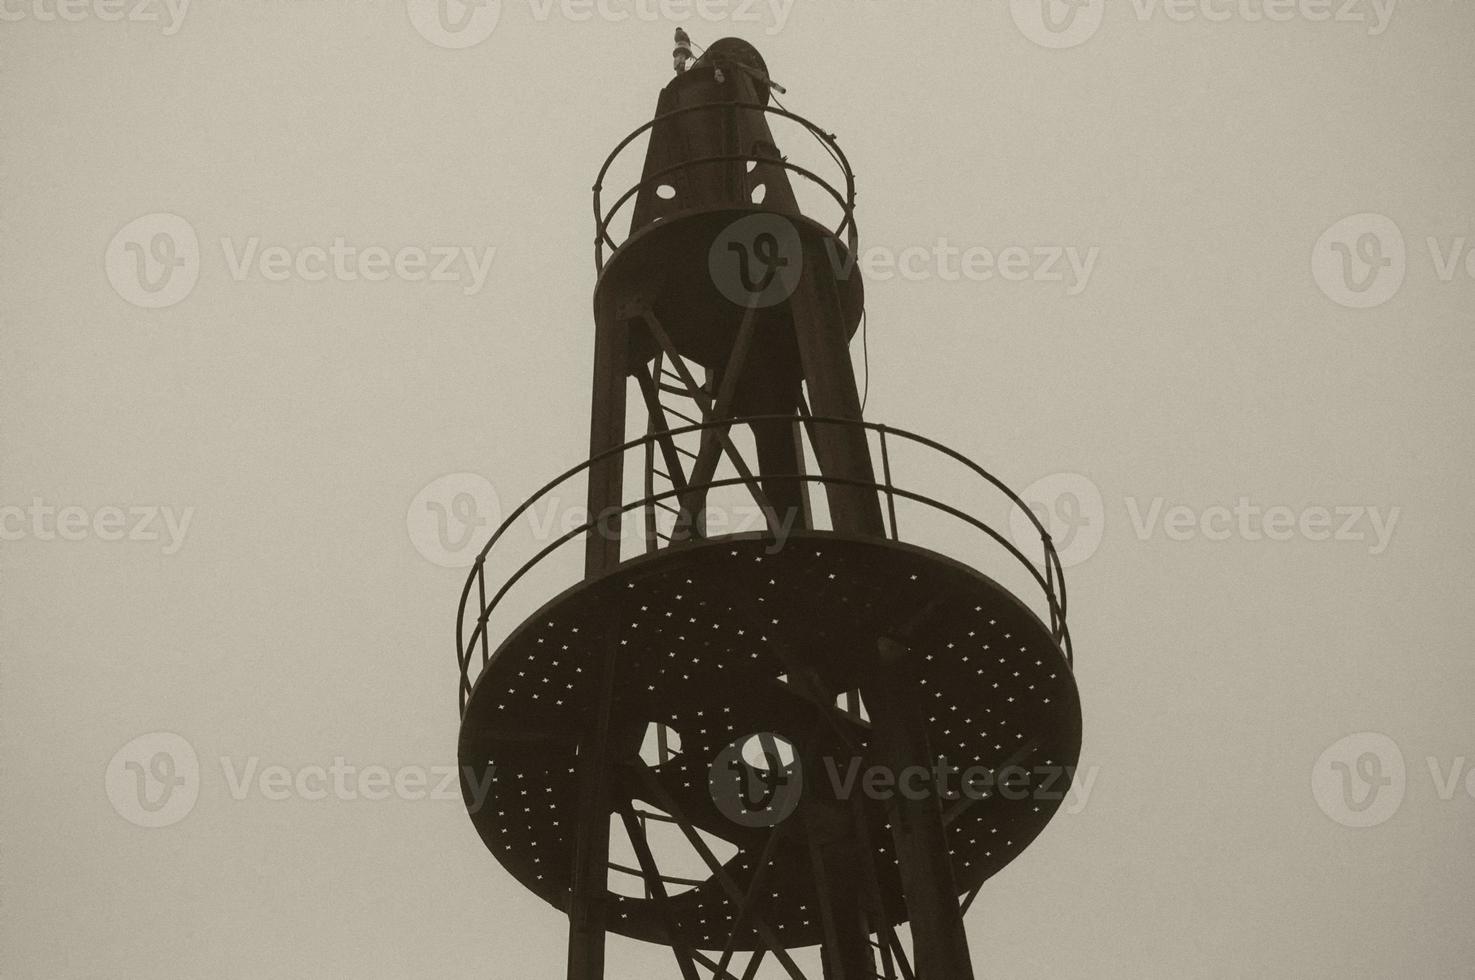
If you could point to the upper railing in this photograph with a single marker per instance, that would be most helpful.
(474, 635)
(846, 200)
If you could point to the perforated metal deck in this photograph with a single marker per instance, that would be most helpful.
(706, 632)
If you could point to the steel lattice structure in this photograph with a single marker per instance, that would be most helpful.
(825, 629)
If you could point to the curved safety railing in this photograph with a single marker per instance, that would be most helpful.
(474, 639)
(846, 200)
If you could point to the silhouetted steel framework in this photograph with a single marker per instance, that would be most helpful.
(826, 628)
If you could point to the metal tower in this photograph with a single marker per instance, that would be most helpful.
(721, 686)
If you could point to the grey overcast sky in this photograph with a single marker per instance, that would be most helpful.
(1254, 379)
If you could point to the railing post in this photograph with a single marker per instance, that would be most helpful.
(886, 476)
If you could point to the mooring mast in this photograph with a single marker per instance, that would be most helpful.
(824, 639)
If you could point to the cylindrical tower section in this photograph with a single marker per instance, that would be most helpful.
(727, 288)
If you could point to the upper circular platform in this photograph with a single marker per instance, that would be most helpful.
(716, 224)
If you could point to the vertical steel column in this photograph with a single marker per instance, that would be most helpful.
(837, 864)
(899, 740)
(589, 888)
(607, 430)
(824, 352)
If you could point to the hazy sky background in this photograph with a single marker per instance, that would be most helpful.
(294, 619)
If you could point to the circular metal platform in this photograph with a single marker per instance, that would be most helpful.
(707, 632)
